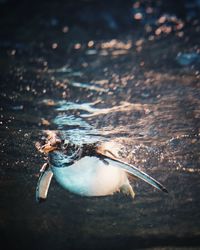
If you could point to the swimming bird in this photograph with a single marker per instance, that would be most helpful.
(88, 170)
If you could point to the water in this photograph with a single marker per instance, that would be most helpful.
(119, 84)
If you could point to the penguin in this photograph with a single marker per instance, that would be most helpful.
(90, 170)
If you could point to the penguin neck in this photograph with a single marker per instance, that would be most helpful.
(82, 149)
(89, 149)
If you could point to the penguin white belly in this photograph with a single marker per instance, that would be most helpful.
(90, 176)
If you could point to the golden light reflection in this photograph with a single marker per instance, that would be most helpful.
(139, 42)
(176, 24)
(54, 45)
(138, 16)
(90, 44)
(77, 46)
(45, 122)
(48, 102)
(162, 19)
(119, 52)
(102, 82)
(116, 44)
(188, 170)
(65, 29)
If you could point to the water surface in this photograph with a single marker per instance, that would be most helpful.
(133, 86)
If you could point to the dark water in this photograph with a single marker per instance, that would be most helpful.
(126, 72)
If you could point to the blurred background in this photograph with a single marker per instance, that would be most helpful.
(124, 71)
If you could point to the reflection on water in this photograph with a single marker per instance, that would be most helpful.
(64, 106)
(139, 87)
(62, 120)
(185, 59)
(88, 86)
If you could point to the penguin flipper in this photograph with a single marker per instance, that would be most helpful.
(133, 171)
(43, 183)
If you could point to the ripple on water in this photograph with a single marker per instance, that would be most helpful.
(63, 120)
